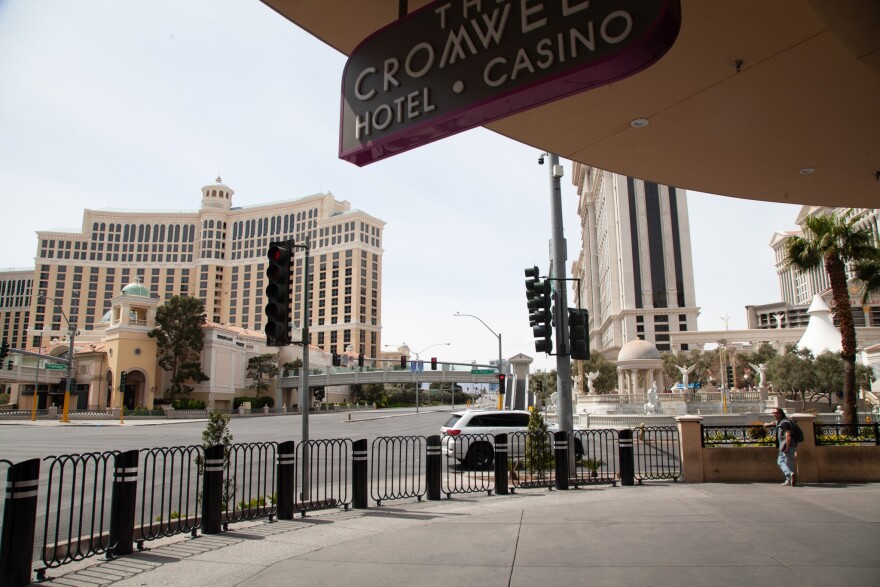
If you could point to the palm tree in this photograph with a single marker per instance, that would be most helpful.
(868, 272)
(834, 240)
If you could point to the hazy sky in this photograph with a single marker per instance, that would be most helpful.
(137, 105)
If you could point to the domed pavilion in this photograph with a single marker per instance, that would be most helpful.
(638, 367)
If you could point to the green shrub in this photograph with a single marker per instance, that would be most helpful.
(539, 449)
(756, 430)
(188, 404)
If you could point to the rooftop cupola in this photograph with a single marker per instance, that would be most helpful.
(217, 196)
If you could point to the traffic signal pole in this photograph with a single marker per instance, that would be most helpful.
(278, 328)
(304, 391)
(560, 298)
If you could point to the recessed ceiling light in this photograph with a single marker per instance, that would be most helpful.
(807, 170)
(639, 122)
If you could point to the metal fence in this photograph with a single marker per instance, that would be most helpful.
(600, 461)
(169, 481)
(530, 460)
(847, 434)
(468, 464)
(76, 512)
(656, 453)
(323, 474)
(249, 481)
(756, 435)
(397, 468)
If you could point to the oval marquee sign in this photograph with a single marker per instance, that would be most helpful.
(456, 64)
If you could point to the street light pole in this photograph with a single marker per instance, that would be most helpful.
(71, 333)
(500, 360)
(417, 354)
(37, 386)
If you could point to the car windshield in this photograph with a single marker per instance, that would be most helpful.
(451, 422)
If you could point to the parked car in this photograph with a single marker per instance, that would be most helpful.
(469, 436)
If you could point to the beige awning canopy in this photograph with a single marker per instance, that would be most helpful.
(796, 121)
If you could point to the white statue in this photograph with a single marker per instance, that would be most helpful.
(685, 373)
(552, 400)
(761, 369)
(591, 377)
(778, 317)
(652, 406)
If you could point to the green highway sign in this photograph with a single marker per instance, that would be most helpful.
(482, 371)
(56, 366)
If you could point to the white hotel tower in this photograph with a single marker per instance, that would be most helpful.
(635, 267)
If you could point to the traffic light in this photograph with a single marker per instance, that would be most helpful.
(361, 360)
(502, 379)
(403, 361)
(578, 337)
(729, 369)
(337, 360)
(540, 317)
(4, 350)
(123, 377)
(539, 386)
(433, 363)
(278, 295)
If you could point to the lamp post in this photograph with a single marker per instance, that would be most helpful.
(430, 346)
(71, 332)
(500, 361)
(37, 384)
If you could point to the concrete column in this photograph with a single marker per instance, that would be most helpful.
(806, 462)
(620, 383)
(690, 438)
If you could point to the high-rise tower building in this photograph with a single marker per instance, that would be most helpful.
(216, 253)
(797, 289)
(635, 266)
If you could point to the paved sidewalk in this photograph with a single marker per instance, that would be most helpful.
(657, 534)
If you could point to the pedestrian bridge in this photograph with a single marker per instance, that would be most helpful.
(392, 373)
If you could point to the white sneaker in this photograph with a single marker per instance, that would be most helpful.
(786, 482)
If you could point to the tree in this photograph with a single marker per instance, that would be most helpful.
(538, 452)
(763, 354)
(832, 241)
(868, 272)
(217, 432)
(547, 385)
(292, 367)
(371, 393)
(828, 369)
(258, 366)
(179, 342)
(793, 372)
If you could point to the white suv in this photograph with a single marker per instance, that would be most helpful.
(478, 453)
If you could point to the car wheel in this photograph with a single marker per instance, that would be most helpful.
(480, 456)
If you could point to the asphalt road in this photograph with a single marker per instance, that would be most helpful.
(19, 442)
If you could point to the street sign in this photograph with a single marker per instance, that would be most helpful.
(56, 367)
(482, 371)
